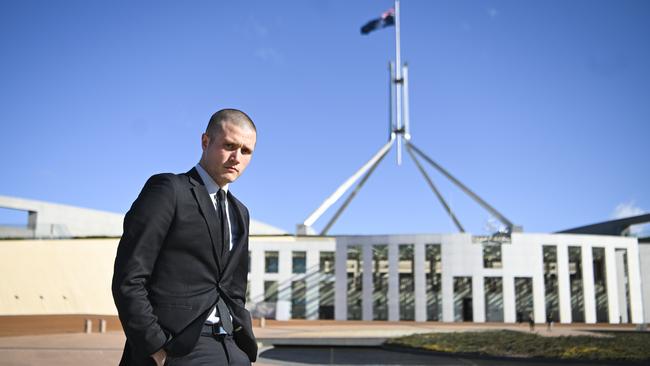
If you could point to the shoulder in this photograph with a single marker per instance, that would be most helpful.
(170, 179)
(164, 184)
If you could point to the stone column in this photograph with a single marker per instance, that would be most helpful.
(634, 278)
(478, 298)
(283, 307)
(588, 284)
(420, 283)
(367, 287)
(539, 289)
(393, 282)
(341, 283)
(509, 299)
(447, 284)
(312, 280)
(564, 283)
(620, 279)
(612, 285)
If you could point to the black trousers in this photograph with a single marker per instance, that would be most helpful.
(213, 351)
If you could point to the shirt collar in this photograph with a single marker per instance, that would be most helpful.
(209, 183)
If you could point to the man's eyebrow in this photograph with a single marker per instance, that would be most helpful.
(232, 142)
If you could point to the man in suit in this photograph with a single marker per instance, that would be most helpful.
(181, 267)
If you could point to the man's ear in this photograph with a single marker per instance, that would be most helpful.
(205, 141)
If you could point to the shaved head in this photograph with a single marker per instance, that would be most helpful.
(234, 116)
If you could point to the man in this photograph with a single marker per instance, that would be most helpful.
(180, 275)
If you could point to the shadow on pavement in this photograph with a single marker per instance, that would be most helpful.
(379, 356)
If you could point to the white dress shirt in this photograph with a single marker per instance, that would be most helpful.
(213, 188)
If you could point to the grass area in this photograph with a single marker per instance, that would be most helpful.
(616, 347)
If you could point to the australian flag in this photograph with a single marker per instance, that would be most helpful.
(386, 20)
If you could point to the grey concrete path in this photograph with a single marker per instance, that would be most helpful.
(105, 349)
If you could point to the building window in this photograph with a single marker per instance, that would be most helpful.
(463, 304)
(326, 300)
(271, 262)
(493, 291)
(433, 271)
(550, 282)
(406, 270)
(492, 255)
(298, 299)
(576, 285)
(355, 283)
(299, 263)
(380, 282)
(600, 285)
(270, 291)
(524, 299)
(326, 262)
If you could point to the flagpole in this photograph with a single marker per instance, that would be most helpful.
(398, 83)
(391, 101)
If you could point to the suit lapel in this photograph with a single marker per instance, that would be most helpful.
(206, 206)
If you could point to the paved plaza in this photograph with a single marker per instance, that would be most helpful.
(283, 343)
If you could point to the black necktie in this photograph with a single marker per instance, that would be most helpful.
(223, 217)
(224, 312)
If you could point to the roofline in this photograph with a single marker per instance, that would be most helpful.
(613, 227)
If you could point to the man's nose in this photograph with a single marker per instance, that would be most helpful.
(235, 156)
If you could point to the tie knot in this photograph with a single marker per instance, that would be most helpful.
(221, 195)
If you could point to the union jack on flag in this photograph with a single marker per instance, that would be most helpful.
(386, 20)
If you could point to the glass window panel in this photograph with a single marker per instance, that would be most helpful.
(298, 299)
(600, 285)
(576, 285)
(270, 291)
(271, 262)
(463, 304)
(406, 282)
(299, 262)
(492, 256)
(380, 282)
(326, 300)
(493, 290)
(355, 281)
(433, 272)
(524, 299)
(326, 265)
(550, 283)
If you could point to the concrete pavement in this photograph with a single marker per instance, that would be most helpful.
(78, 349)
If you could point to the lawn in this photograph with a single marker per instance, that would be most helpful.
(632, 346)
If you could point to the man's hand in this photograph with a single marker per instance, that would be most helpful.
(160, 357)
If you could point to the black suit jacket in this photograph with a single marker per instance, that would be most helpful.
(169, 271)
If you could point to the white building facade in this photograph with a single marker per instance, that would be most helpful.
(568, 278)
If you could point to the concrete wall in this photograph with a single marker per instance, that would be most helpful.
(56, 276)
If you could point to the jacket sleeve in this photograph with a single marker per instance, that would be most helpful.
(145, 228)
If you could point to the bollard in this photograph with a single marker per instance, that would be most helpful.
(88, 326)
(102, 325)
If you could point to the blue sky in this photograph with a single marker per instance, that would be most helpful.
(541, 107)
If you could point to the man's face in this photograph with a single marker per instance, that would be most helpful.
(227, 154)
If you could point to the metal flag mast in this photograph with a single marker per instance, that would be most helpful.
(398, 123)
